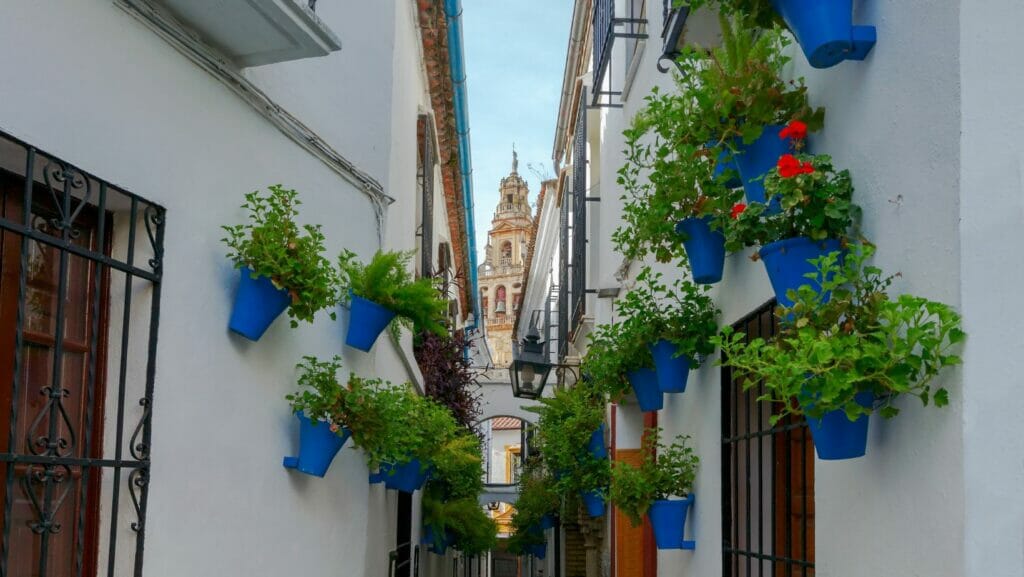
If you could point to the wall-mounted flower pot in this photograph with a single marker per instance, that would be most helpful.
(546, 522)
(705, 249)
(758, 158)
(668, 520)
(257, 303)
(405, 477)
(836, 437)
(825, 30)
(723, 163)
(436, 546)
(593, 502)
(318, 445)
(788, 261)
(596, 445)
(673, 371)
(645, 385)
(539, 551)
(376, 478)
(366, 321)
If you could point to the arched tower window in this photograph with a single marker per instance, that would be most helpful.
(506, 253)
(499, 301)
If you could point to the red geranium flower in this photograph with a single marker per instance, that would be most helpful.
(807, 168)
(796, 130)
(737, 210)
(789, 166)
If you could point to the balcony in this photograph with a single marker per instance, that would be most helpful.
(255, 32)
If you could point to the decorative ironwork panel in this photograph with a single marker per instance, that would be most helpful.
(426, 177)
(77, 309)
(768, 477)
(579, 215)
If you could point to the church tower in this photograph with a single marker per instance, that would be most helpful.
(501, 274)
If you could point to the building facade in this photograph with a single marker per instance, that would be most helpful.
(501, 274)
(147, 439)
(936, 164)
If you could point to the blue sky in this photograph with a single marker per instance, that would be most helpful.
(515, 55)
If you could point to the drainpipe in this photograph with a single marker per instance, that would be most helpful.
(453, 15)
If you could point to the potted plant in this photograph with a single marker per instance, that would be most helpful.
(676, 323)
(824, 28)
(384, 289)
(429, 429)
(838, 360)
(815, 217)
(741, 103)
(320, 435)
(664, 472)
(458, 523)
(565, 428)
(535, 509)
(281, 265)
(451, 511)
(617, 362)
(674, 193)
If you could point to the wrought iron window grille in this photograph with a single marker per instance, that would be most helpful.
(579, 216)
(606, 28)
(426, 178)
(768, 477)
(81, 258)
(671, 34)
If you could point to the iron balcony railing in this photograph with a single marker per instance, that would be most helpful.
(579, 216)
(606, 28)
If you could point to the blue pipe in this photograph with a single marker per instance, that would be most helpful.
(453, 15)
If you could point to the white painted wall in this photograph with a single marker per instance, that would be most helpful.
(104, 92)
(929, 131)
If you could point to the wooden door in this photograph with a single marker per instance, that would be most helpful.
(53, 507)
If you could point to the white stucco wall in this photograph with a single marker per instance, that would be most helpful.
(104, 92)
(938, 491)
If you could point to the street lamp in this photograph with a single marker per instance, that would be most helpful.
(530, 367)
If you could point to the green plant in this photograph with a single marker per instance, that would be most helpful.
(815, 200)
(386, 280)
(458, 467)
(537, 495)
(683, 314)
(664, 471)
(722, 98)
(850, 338)
(448, 376)
(321, 394)
(273, 245)
(753, 12)
(613, 351)
(471, 530)
(566, 422)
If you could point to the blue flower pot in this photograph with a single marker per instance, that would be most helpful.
(594, 503)
(825, 30)
(836, 437)
(546, 522)
(317, 447)
(673, 371)
(645, 385)
(758, 158)
(668, 520)
(723, 163)
(705, 249)
(434, 545)
(788, 262)
(257, 303)
(596, 445)
(366, 321)
(406, 477)
(538, 551)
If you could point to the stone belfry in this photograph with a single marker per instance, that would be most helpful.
(501, 274)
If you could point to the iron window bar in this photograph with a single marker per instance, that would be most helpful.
(579, 216)
(426, 176)
(606, 29)
(671, 33)
(750, 445)
(68, 211)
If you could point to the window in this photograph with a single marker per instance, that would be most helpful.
(425, 179)
(637, 27)
(506, 253)
(578, 226)
(513, 465)
(768, 478)
(499, 300)
(70, 304)
(632, 26)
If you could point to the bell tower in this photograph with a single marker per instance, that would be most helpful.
(501, 274)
